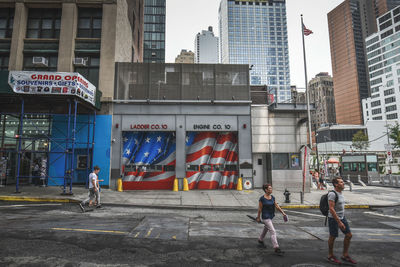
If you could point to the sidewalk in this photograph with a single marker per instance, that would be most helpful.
(360, 197)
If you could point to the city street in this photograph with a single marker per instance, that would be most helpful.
(54, 234)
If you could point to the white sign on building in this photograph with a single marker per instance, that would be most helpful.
(52, 83)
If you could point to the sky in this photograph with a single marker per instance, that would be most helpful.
(185, 18)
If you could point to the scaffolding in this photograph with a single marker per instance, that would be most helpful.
(57, 110)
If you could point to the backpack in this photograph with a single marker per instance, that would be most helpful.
(324, 204)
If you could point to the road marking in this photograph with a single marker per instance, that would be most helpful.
(306, 213)
(375, 239)
(374, 234)
(29, 205)
(149, 232)
(137, 234)
(395, 234)
(90, 230)
(382, 215)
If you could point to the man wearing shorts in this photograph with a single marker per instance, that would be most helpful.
(336, 220)
(93, 189)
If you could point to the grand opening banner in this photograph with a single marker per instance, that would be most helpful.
(52, 83)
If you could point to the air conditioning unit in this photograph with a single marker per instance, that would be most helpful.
(40, 61)
(80, 61)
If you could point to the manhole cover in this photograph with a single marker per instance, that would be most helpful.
(307, 265)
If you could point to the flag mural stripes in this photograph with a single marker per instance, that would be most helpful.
(198, 153)
(154, 148)
(228, 177)
(211, 180)
(210, 152)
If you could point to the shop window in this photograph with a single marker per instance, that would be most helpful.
(372, 167)
(89, 22)
(6, 22)
(44, 23)
(280, 161)
(361, 167)
(353, 167)
(346, 167)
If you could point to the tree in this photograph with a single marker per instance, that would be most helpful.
(360, 140)
(394, 134)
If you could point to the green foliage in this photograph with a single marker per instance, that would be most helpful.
(394, 134)
(360, 141)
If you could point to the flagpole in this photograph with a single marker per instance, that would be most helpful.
(306, 80)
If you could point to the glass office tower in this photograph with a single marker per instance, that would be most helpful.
(154, 31)
(254, 32)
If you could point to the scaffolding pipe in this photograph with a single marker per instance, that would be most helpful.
(66, 147)
(73, 147)
(21, 121)
(87, 152)
(94, 127)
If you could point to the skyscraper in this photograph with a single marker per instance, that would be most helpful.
(321, 94)
(349, 24)
(185, 57)
(383, 61)
(206, 47)
(255, 33)
(154, 31)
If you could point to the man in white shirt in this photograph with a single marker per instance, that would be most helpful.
(93, 189)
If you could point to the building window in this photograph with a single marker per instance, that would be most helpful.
(6, 22)
(280, 161)
(44, 23)
(89, 22)
(4, 62)
(390, 100)
(51, 63)
(391, 116)
(91, 70)
(376, 111)
(391, 108)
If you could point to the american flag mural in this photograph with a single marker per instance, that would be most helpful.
(214, 151)
(145, 150)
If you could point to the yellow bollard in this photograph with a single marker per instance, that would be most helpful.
(185, 185)
(119, 185)
(239, 186)
(176, 187)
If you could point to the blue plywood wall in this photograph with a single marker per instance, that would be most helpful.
(101, 155)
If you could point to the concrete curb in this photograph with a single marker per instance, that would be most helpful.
(182, 207)
(37, 199)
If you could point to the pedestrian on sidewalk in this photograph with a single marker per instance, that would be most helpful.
(266, 209)
(93, 189)
(336, 220)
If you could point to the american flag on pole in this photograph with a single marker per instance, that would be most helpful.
(306, 31)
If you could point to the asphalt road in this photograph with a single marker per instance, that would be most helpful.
(46, 234)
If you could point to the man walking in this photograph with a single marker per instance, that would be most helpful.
(336, 220)
(93, 189)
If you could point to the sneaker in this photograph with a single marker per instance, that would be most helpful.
(81, 207)
(261, 244)
(347, 259)
(278, 251)
(333, 260)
